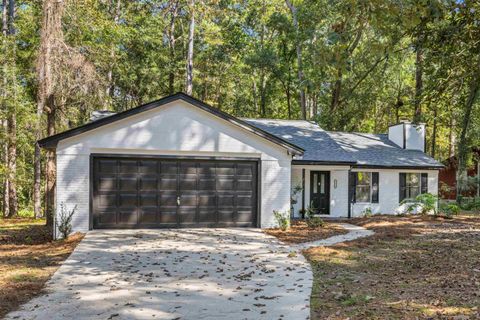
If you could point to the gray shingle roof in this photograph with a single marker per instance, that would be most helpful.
(316, 142)
(378, 150)
(342, 147)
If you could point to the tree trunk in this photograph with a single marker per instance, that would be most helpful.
(37, 174)
(434, 132)
(51, 165)
(171, 44)
(12, 164)
(301, 98)
(417, 117)
(116, 17)
(289, 104)
(5, 204)
(191, 31)
(337, 89)
(12, 117)
(451, 137)
(462, 145)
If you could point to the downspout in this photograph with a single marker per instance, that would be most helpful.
(349, 193)
(303, 193)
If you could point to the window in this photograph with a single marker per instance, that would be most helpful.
(412, 185)
(363, 187)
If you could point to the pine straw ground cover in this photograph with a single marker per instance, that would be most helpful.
(28, 258)
(412, 268)
(299, 232)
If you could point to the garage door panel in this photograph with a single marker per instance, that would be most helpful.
(168, 184)
(245, 201)
(244, 185)
(189, 168)
(127, 200)
(169, 168)
(225, 215)
(107, 217)
(148, 183)
(244, 216)
(206, 184)
(107, 183)
(148, 216)
(225, 169)
(225, 184)
(127, 183)
(187, 215)
(188, 200)
(107, 166)
(130, 192)
(148, 166)
(207, 200)
(148, 200)
(127, 166)
(127, 216)
(167, 216)
(107, 200)
(188, 183)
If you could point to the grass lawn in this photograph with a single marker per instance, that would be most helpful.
(28, 258)
(412, 268)
(299, 232)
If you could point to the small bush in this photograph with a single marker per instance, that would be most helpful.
(470, 204)
(65, 220)
(314, 222)
(25, 213)
(283, 219)
(367, 213)
(424, 204)
(449, 209)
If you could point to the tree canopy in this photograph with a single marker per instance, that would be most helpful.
(347, 65)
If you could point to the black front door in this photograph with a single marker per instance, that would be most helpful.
(320, 192)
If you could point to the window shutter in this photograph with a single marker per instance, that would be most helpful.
(375, 186)
(353, 184)
(403, 186)
(424, 183)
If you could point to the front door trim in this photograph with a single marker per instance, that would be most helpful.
(326, 209)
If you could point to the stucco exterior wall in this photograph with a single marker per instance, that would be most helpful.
(174, 129)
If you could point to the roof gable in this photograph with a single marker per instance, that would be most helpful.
(52, 141)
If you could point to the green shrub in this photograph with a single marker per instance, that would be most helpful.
(25, 213)
(449, 209)
(65, 220)
(314, 222)
(470, 204)
(283, 219)
(424, 204)
(367, 213)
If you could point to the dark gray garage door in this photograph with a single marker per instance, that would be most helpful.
(156, 193)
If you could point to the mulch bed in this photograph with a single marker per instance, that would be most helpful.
(299, 232)
(417, 267)
(28, 258)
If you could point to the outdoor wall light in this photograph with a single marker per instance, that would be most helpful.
(335, 183)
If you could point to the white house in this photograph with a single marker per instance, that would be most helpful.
(177, 162)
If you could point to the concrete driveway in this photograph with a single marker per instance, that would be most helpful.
(177, 274)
